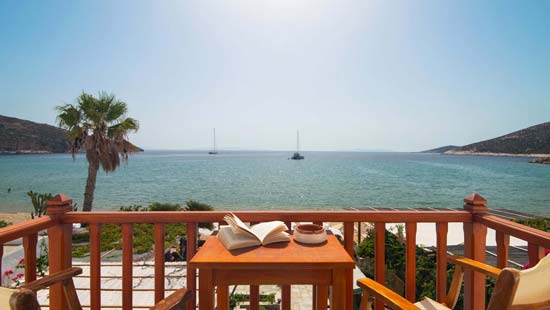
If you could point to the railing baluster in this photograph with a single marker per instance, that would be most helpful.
(441, 278)
(535, 253)
(29, 247)
(358, 232)
(159, 230)
(1, 257)
(348, 237)
(410, 278)
(127, 266)
(503, 245)
(379, 258)
(191, 272)
(95, 266)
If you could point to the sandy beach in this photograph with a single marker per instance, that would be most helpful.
(15, 217)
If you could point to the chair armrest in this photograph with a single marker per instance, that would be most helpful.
(471, 264)
(57, 277)
(389, 297)
(176, 301)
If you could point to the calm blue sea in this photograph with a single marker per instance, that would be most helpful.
(268, 180)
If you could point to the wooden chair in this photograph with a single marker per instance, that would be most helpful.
(24, 298)
(514, 289)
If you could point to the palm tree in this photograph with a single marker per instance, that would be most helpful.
(99, 127)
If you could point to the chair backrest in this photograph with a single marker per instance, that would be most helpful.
(525, 289)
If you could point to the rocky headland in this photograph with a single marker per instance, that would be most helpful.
(18, 136)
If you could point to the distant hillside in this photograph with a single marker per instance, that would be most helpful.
(22, 136)
(534, 141)
(441, 150)
(17, 135)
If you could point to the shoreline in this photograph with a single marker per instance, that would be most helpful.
(472, 153)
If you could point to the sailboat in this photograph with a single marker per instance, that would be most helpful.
(214, 151)
(296, 155)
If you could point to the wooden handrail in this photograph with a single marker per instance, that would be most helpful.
(529, 234)
(22, 229)
(260, 216)
(537, 239)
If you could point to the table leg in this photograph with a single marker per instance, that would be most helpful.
(339, 284)
(321, 294)
(285, 296)
(222, 297)
(206, 289)
(349, 288)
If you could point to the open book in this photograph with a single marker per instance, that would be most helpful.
(238, 235)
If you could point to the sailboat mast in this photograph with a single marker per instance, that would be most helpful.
(298, 141)
(214, 139)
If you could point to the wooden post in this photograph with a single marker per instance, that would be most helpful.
(59, 247)
(475, 235)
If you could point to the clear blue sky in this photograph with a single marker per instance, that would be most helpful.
(392, 75)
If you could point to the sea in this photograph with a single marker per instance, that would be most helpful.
(247, 180)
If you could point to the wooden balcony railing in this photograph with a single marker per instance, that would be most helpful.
(474, 217)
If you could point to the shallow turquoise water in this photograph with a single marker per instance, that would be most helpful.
(267, 180)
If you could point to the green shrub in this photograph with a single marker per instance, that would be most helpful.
(157, 206)
(542, 223)
(4, 223)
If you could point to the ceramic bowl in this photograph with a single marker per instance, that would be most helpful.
(310, 234)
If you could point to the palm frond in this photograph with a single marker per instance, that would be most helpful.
(116, 110)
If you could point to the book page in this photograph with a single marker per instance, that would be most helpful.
(263, 230)
(233, 241)
(239, 226)
(276, 237)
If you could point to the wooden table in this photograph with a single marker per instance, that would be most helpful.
(324, 265)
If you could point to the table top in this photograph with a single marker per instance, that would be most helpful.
(327, 255)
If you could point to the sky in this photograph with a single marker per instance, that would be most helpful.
(349, 75)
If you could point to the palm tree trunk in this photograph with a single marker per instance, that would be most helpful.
(93, 167)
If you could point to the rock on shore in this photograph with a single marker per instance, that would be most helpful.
(541, 160)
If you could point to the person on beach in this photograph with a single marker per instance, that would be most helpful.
(9, 190)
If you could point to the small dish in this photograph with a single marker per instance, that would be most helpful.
(310, 234)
